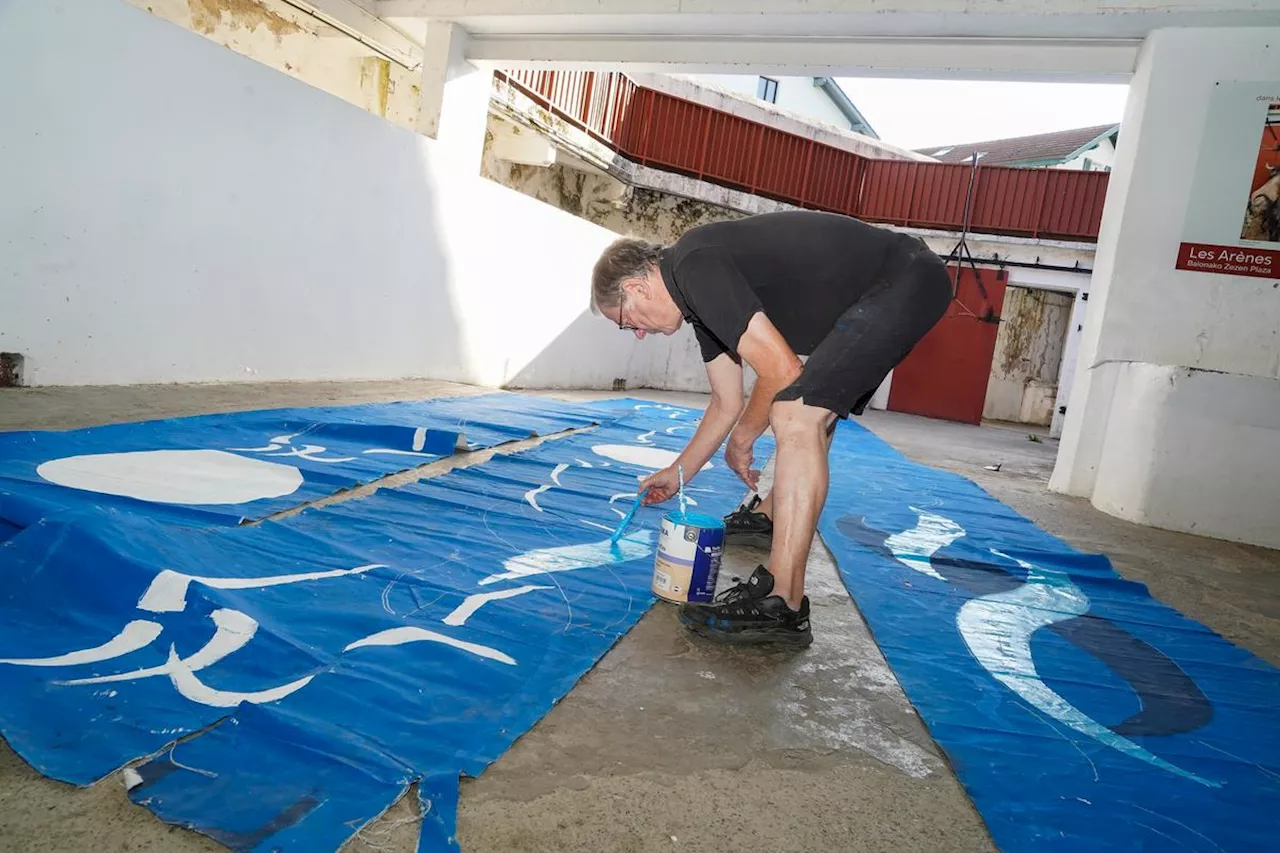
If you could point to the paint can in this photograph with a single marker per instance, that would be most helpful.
(688, 561)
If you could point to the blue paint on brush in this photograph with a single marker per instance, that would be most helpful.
(626, 519)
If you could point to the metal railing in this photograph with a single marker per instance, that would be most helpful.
(666, 132)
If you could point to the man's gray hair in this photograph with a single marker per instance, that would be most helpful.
(625, 259)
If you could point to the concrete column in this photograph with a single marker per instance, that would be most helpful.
(453, 104)
(1070, 355)
(1136, 451)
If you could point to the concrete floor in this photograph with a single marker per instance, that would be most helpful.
(671, 745)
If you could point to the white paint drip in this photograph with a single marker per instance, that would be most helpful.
(138, 634)
(647, 438)
(419, 438)
(914, 548)
(191, 687)
(409, 634)
(310, 451)
(168, 591)
(567, 558)
(532, 496)
(584, 464)
(234, 631)
(474, 602)
(556, 472)
(200, 477)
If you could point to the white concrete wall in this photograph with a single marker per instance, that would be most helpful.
(1173, 453)
(1144, 312)
(175, 212)
(795, 94)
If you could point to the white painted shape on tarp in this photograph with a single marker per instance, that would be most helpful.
(191, 687)
(167, 592)
(654, 458)
(915, 548)
(138, 634)
(474, 602)
(567, 558)
(233, 632)
(412, 634)
(203, 477)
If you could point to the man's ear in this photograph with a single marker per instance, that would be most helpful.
(637, 286)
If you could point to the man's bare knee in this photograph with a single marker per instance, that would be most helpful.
(792, 419)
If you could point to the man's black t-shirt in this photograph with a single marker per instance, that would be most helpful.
(802, 268)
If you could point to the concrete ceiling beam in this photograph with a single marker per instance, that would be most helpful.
(978, 59)
(357, 19)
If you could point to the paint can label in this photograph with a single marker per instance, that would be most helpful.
(688, 560)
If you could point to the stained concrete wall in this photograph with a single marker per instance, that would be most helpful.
(1024, 370)
(218, 221)
(1214, 337)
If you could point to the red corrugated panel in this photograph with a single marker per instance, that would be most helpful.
(1073, 204)
(730, 153)
(782, 162)
(939, 194)
(1007, 200)
(667, 132)
(833, 179)
(886, 191)
(674, 135)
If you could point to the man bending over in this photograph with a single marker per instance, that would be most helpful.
(852, 297)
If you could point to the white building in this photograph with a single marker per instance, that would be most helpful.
(1084, 148)
(818, 99)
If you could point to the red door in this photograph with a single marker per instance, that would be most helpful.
(945, 376)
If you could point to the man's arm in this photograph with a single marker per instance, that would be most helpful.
(776, 365)
(721, 414)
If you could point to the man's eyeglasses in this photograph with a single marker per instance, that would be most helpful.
(626, 327)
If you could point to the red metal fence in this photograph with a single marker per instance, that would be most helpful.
(670, 133)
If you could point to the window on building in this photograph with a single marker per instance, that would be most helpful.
(1088, 164)
(767, 90)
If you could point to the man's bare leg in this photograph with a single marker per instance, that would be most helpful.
(766, 502)
(799, 491)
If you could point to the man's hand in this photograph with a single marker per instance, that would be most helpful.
(661, 485)
(739, 455)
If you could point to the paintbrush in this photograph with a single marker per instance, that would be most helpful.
(626, 519)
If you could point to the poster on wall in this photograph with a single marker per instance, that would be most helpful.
(1233, 221)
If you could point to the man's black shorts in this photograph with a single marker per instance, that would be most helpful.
(875, 333)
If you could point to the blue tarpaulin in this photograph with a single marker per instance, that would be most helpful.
(291, 679)
(224, 468)
(1079, 713)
